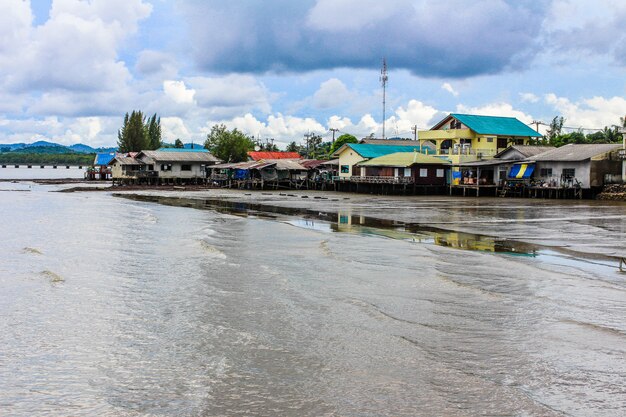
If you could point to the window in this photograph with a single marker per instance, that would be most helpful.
(345, 169)
(185, 168)
(569, 172)
(545, 172)
(407, 172)
(166, 167)
(489, 140)
(440, 173)
(423, 172)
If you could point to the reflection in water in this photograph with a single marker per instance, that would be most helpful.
(344, 221)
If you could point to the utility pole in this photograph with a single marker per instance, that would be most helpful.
(414, 130)
(536, 123)
(383, 79)
(307, 138)
(332, 129)
(622, 129)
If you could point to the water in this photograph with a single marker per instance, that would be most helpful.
(112, 306)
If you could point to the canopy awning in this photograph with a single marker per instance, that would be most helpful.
(521, 171)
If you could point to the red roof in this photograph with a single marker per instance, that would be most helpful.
(273, 155)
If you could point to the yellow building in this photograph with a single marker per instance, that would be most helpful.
(466, 137)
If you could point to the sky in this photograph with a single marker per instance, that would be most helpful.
(71, 69)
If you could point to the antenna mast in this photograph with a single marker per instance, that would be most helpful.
(383, 80)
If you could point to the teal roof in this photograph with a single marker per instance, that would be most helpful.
(494, 125)
(374, 151)
(198, 149)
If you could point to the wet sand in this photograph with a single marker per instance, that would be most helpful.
(594, 229)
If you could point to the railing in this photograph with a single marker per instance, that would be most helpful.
(467, 151)
(377, 179)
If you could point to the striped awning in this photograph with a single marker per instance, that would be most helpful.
(521, 171)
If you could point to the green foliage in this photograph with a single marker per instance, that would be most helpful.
(47, 158)
(228, 145)
(342, 140)
(179, 144)
(554, 130)
(154, 133)
(268, 146)
(294, 147)
(133, 136)
(138, 134)
(554, 136)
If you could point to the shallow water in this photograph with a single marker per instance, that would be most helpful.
(111, 306)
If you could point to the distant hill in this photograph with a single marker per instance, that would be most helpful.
(44, 147)
(49, 149)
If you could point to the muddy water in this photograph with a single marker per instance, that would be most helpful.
(114, 306)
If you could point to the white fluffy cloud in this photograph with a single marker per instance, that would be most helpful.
(332, 93)
(173, 128)
(595, 112)
(75, 50)
(178, 92)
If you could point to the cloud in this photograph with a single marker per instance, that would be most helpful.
(173, 128)
(590, 113)
(332, 93)
(449, 89)
(177, 91)
(284, 35)
(74, 50)
(587, 28)
(529, 98)
(235, 93)
(496, 109)
(156, 64)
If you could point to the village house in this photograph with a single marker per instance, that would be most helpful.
(265, 173)
(467, 138)
(492, 173)
(577, 165)
(351, 154)
(405, 167)
(166, 166)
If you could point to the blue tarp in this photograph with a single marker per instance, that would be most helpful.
(104, 158)
(241, 174)
(521, 171)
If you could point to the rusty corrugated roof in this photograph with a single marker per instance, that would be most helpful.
(258, 155)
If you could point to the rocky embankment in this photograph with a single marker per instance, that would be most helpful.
(614, 192)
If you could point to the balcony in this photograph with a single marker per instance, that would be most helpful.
(445, 134)
(479, 153)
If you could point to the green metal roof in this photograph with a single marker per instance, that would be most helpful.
(403, 159)
(494, 125)
(374, 151)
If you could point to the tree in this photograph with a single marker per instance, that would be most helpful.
(228, 145)
(554, 130)
(133, 136)
(342, 140)
(268, 146)
(293, 147)
(179, 144)
(154, 133)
